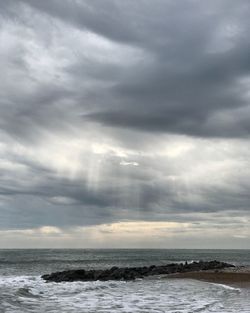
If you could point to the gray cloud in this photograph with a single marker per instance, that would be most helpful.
(189, 80)
(116, 111)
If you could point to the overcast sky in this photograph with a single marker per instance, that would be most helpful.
(125, 123)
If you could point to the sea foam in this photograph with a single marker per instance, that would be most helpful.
(32, 294)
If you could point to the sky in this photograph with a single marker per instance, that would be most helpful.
(124, 124)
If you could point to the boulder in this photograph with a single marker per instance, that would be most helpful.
(131, 273)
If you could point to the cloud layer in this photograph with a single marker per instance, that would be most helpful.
(124, 112)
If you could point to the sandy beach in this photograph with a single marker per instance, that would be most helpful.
(236, 277)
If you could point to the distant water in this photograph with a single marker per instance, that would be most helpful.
(22, 290)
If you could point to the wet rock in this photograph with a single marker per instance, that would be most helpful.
(131, 273)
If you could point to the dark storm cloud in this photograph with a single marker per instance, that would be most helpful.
(186, 83)
(190, 84)
(130, 73)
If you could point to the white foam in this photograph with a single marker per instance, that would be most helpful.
(227, 287)
(32, 294)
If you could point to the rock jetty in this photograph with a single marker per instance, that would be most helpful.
(131, 273)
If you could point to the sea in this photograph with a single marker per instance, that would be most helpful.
(22, 289)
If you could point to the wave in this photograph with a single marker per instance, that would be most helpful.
(226, 287)
(26, 292)
(32, 294)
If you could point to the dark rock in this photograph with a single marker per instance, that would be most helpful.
(131, 273)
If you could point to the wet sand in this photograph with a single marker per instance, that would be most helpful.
(236, 277)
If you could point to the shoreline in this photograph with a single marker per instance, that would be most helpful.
(235, 277)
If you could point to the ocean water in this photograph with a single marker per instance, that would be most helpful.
(22, 289)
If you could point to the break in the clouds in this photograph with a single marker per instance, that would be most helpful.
(124, 123)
